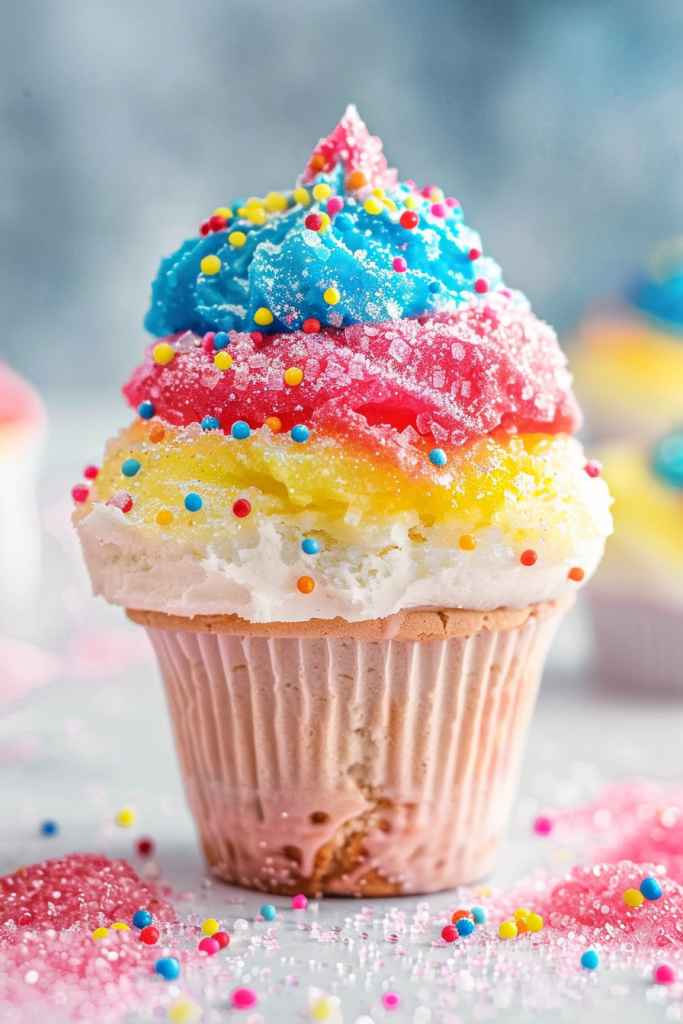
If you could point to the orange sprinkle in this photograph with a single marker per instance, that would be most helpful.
(156, 432)
(356, 180)
(467, 542)
(460, 914)
(305, 585)
(522, 926)
(164, 517)
(293, 376)
(274, 423)
(576, 574)
(317, 162)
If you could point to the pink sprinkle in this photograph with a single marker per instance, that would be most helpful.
(400, 265)
(90, 472)
(299, 902)
(391, 1000)
(79, 493)
(481, 286)
(207, 343)
(427, 191)
(121, 500)
(209, 945)
(243, 998)
(452, 203)
(593, 467)
(438, 210)
(334, 205)
(664, 974)
(543, 826)
(474, 254)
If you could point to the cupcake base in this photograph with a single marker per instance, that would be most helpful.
(363, 759)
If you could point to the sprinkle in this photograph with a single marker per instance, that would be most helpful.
(210, 265)
(90, 472)
(399, 265)
(222, 938)
(168, 967)
(208, 946)
(223, 211)
(651, 889)
(379, 192)
(301, 196)
(240, 430)
(334, 205)
(528, 557)
(163, 353)
(126, 817)
(207, 343)
(157, 432)
(254, 203)
(435, 287)
(452, 203)
(664, 974)
(314, 222)
(311, 326)
(321, 191)
(256, 215)
(305, 585)
(241, 508)
(193, 502)
(237, 238)
(479, 915)
(317, 162)
(217, 223)
(130, 467)
(373, 206)
(210, 423)
(459, 915)
(590, 960)
(534, 922)
(256, 337)
(474, 254)
(121, 500)
(268, 912)
(100, 933)
(263, 316)
(543, 826)
(324, 223)
(220, 340)
(449, 933)
(210, 926)
(391, 1001)
(507, 930)
(355, 181)
(299, 902)
(593, 467)
(146, 410)
(438, 210)
(184, 1011)
(204, 228)
(633, 898)
(310, 546)
(293, 376)
(80, 493)
(222, 360)
(520, 913)
(275, 202)
(411, 202)
(576, 574)
(164, 517)
(437, 457)
(142, 918)
(274, 423)
(467, 542)
(409, 220)
(344, 222)
(119, 926)
(464, 926)
(243, 998)
(331, 296)
(49, 828)
(145, 846)
(481, 286)
(300, 433)
(149, 935)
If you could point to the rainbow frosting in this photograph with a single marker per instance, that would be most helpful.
(345, 412)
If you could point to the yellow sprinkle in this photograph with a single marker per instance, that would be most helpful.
(482, 890)
(163, 353)
(120, 926)
(257, 215)
(164, 517)
(411, 202)
(633, 897)
(521, 913)
(373, 205)
(242, 211)
(325, 223)
(210, 265)
(237, 238)
(389, 203)
(223, 211)
(534, 922)
(507, 930)
(126, 817)
(436, 194)
(275, 202)
(223, 360)
(100, 933)
(321, 1009)
(210, 926)
(293, 376)
(321, 191)
(302, 196)
(184, 1011)
(331, 296)
(379, 192)
(263, 316)
(254, 201)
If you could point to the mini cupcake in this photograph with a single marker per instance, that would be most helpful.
(637, 597)
(22, 435)
(349, 512)
(628, 356)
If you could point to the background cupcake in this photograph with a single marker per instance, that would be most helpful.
(349, 513)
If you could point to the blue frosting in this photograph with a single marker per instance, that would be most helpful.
(661, 297)
(287, 268)
(667, 460)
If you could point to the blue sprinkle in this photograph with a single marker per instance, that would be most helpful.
(146, 410)
(141, 918)
(479, 915)
(590, 959)
(49, 828)
(130, 467)
(300, 433)
(464, 926)
(668, 460)
(220, 340)
(651, 889)
(238, 204)
(193, 502)
(435, 287)
(210, 423)
(438, 457)
(168, 967)
(268, 911)
(310, 546)
(240, 430)
(344, 222)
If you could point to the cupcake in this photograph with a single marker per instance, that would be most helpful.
(22, 435)
(349, 513)
(637, 596)
(628, 356)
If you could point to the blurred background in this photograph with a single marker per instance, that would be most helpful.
(557, 124)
